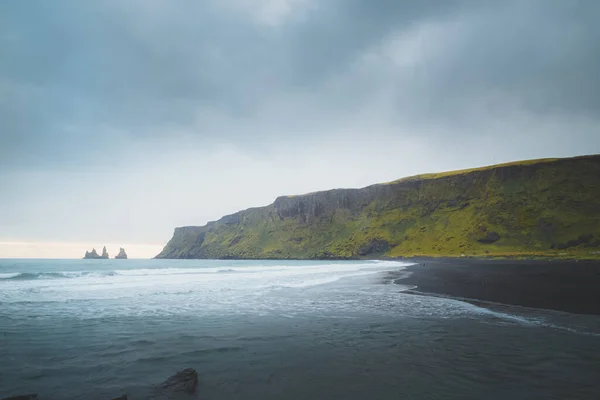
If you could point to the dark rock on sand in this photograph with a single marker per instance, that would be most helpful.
(183, 381)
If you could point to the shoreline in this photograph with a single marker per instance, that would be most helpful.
(559, 285)
(526, 257)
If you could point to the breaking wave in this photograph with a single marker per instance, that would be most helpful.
(26, 276)
(140, 272)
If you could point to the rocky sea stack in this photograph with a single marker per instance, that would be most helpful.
(94, 254)
(122, 254)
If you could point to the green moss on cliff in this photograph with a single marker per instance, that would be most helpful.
(534, 207)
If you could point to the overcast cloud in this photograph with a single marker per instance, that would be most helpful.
(120, 120)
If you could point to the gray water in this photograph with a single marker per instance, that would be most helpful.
(96, 329)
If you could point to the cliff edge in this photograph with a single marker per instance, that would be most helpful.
(534, 207)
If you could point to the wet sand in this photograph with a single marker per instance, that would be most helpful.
(568, 286)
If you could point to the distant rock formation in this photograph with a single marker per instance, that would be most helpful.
(91, 254)
(94, 254)
(121, 255)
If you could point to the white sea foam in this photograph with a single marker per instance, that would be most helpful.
(208, 283)
(293, 289)
(263, 287)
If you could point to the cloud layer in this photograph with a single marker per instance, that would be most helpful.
(151, 114)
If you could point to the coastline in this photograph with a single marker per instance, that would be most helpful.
(559, 285)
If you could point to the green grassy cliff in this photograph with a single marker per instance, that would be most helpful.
(536, 207)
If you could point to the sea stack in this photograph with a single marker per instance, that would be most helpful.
(91, 254)
(121, 255)
(94, 254)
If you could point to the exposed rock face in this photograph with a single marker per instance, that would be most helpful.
(586, 240)
(104, 253)
(183, 381)
(374, 246)
(530, 207)
(489, 238)
(122, 254)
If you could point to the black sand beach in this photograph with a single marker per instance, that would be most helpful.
(569, 286)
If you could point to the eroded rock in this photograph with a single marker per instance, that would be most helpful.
(22, 397)
(183, 381)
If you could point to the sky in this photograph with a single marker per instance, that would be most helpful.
(121, 120)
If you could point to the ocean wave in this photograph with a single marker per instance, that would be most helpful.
(224, 349)
(393, 263)
(23, 276)
(135, 272)
(194, 271)
(361, 267)
(9, 275)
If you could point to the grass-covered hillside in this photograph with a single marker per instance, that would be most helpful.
(534, 207)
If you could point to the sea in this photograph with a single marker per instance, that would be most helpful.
(98, 329)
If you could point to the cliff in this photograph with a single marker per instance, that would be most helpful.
(534, 207)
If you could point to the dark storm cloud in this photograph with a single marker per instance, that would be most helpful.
(339, 31)
(77, 76)
(539, 56)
